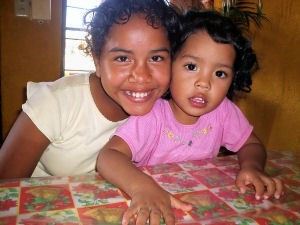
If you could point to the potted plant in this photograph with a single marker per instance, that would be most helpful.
(242, 12)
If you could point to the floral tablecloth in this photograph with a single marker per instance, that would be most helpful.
(208, 184)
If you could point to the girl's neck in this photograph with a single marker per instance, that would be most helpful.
(105, 104)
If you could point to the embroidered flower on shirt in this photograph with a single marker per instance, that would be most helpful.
(170, 135)
(179, 139)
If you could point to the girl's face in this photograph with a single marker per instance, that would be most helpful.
(201, 76)
(135, 65)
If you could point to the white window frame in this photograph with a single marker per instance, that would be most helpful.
(75, 61)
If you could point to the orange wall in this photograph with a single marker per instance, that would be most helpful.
(29, 51)
(274, 105)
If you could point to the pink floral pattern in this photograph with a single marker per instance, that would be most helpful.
(62, 217)
(274, 216)
(8, 200)
(164, 168)
(212, 177)
(241, 202)
(206, 205)
(209, 185)
(178, 182)
(45, 198)
(195, 165)
(95, 193)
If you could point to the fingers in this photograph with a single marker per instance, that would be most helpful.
(264, 185)
(130, 212)
(268, 186)
(279, 187)
(273, 186)
(178, 204)
(260, 187)
(168, 216)
(241, 185)
(242, 181)
(144, 213)
(154, 214)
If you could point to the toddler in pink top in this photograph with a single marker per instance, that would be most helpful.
(212, 60)
(158, 137)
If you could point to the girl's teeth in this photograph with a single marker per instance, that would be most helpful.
(199, 100)
(138, 94)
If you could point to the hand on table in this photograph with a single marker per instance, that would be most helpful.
(153, 204)
(265, 186)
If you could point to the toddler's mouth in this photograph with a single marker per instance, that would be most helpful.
(198, 100)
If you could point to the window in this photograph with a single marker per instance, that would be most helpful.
(75, 60)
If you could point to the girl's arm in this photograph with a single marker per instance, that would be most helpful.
(149, 200)
(252, 159)
(22, 149)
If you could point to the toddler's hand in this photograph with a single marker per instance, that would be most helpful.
(153, 205)
(265, 186)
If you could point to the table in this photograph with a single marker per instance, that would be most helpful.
(209, 184)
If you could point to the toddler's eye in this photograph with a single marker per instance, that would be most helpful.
(191, 67)
(156, 58)
(122, 58)
(221, 74)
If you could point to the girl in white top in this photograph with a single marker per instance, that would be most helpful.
(65, 123)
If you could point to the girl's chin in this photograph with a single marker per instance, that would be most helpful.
(136, 111)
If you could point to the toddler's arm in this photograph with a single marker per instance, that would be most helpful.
(22, 149)
(149, 200)
(252, 158)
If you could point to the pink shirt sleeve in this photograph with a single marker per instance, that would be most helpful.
(135, 132)
(237, 128)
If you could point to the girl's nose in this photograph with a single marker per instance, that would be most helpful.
(203, 83)
(140, 74)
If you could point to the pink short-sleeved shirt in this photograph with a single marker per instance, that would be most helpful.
(158, 137)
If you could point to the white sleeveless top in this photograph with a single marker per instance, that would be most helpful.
(65, 112)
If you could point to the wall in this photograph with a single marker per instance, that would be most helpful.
(1, 136)
(273, 105)
(29, 51)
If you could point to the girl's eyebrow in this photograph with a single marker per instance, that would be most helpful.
(120, 50)
(196, 58)
(116, 49)
(227, 66)
(189, 56)
(161, 50)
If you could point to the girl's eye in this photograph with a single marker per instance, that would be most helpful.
(191, 67)
(221, 74)
(156, 58)
(122, 59)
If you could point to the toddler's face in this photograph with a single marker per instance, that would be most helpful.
(202, 73)
(135, 65)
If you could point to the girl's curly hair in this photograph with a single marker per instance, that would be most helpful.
(222, 30)
(99, 20)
